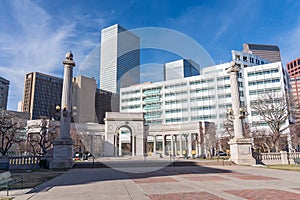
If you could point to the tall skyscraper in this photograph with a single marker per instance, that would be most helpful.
(4, 86)
(269, 52)
(120, 58)
(180, 69)
(42, 93)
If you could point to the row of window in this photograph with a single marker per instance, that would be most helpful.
(176, 111)
(202, 90)
(203, 98)
(152, 106)
(203, 108)
(262, 82)
(203, 117)
(177, 101)
(264, 91)
(175, 93)
(131, 107)
(175, 86)
(199, 82)
(264, 72)
(172, 120)
(131, 92)
(223, 78)
(130, 100)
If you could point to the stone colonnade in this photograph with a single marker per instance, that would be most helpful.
(179, 144)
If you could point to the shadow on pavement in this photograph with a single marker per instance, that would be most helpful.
(89, 172)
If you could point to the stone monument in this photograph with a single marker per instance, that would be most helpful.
(62, 146)
(240, 147)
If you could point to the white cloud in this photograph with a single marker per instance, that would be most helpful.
(289, 43)
(33, 40)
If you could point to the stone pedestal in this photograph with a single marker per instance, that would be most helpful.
(4, 163)
(241, 151)
(62, 154)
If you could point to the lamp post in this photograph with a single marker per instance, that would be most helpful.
(240, 147)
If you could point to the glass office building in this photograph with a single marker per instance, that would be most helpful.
(119, 59)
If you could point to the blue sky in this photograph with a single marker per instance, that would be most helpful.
(36, 34)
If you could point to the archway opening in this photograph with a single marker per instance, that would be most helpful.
(125, 140)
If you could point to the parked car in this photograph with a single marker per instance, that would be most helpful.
(222, 153)
(77, 156)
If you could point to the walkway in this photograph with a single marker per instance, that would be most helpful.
(190, 182)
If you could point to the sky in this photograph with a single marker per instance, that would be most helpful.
(36, 34)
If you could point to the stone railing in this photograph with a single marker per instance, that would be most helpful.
(282, 157)
(24, 162)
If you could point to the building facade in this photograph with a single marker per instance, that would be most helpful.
(180, 69)
(293, 68)
(105, 102)
(268, 52)
(42, 93)
(4, 87)
(205, 97)
(119, 59)
(90, 103)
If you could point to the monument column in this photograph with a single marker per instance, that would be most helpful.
(62, 146)
(240, 147)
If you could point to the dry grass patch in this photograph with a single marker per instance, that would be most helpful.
(34, 178)
(292, 167)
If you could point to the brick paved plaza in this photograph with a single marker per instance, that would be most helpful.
(189, 182)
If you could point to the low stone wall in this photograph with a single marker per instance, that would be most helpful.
(282, 157)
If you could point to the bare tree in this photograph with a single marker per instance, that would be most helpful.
(273, 110)
(227, 131)
(10, 126)
(294, 121)
(210, 139)
(41, 136)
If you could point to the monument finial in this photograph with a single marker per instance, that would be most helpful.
(69, 55)
(69, 59)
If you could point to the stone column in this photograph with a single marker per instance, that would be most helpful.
(120, 145)
(62, 146)
(175, 145)
(190, 145)
(164, 145)
(133, 145)
(240, 147)
(116, 149)
(172, 145)
(154, 145)
(180, 145)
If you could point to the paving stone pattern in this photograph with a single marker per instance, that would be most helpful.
(185, 196)
(266, 194)
(173, 183)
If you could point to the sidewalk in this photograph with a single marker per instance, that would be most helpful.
(190, 182)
